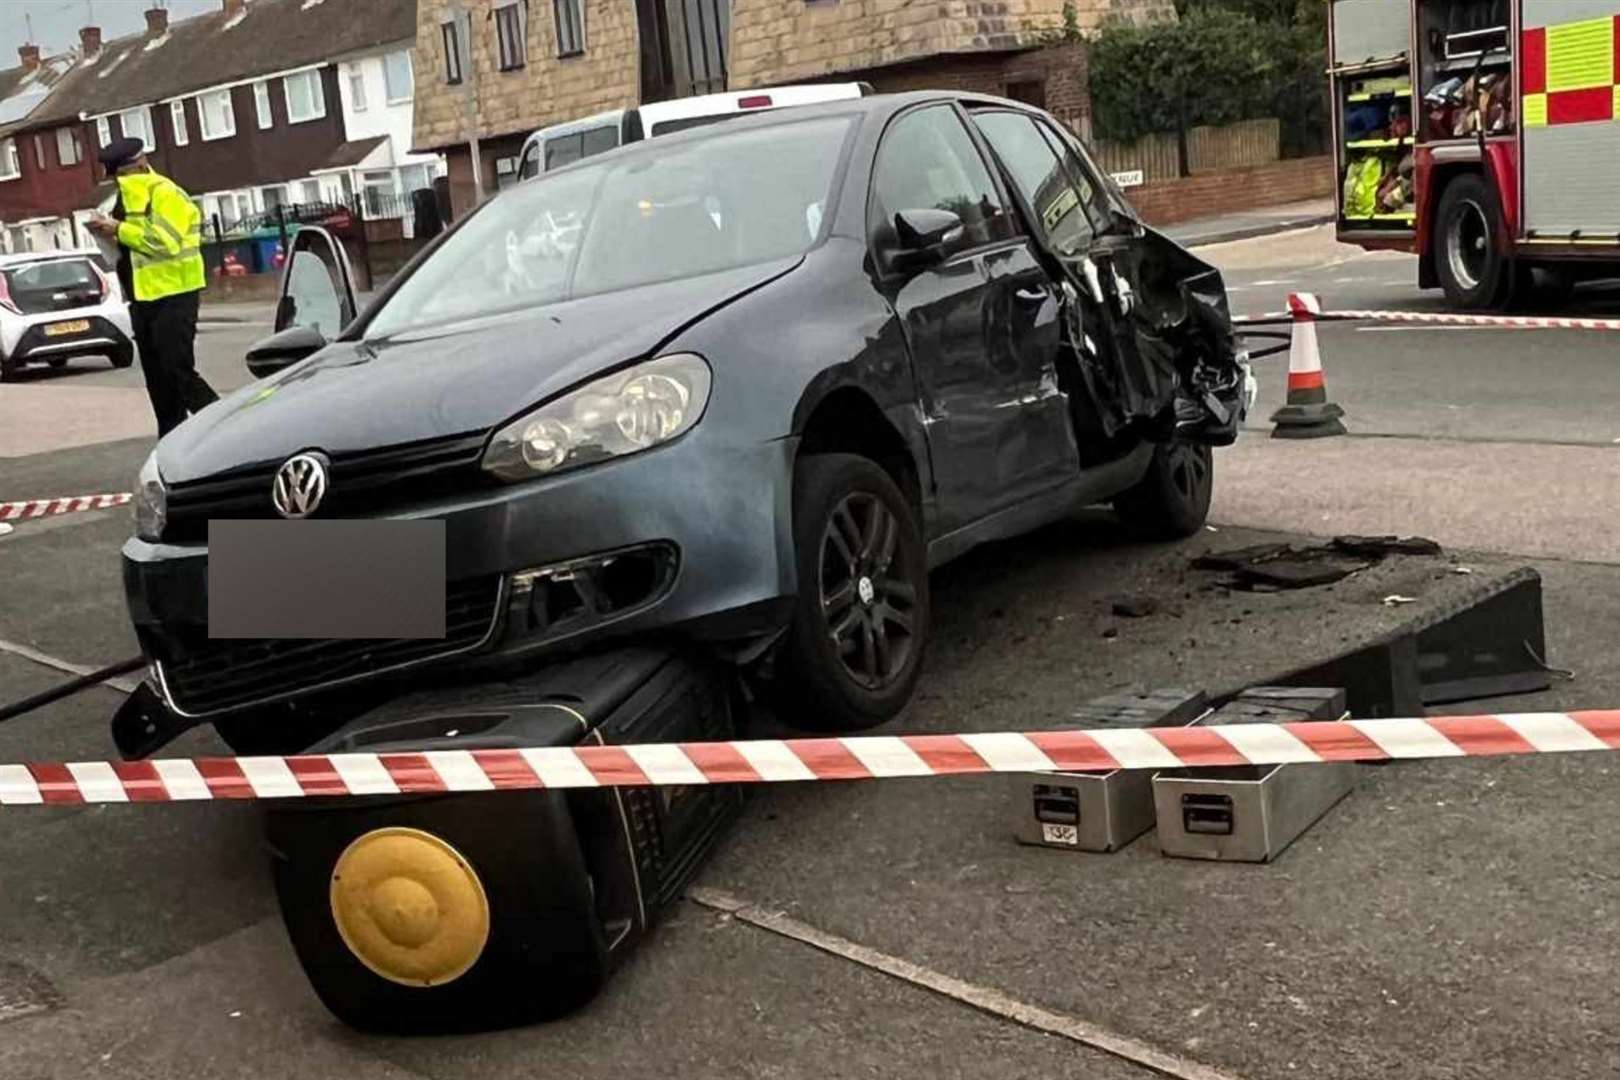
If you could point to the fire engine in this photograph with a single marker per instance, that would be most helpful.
(1482, 135)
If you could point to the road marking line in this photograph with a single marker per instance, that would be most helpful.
(126, 686)
(983, 998)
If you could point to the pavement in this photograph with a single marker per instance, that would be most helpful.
(1448, 920)
(1247, 224)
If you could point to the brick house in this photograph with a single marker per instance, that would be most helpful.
(257, 104)
(45, 171)
(507, 67)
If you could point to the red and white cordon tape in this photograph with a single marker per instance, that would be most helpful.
(787, 760)
(37, 508)
(1432, 318)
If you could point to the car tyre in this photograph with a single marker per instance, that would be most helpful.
(123, 358)
(8, 369)
(545, 953)
(1172, 498)
(58, 362)
(1474, 273)
(854, 648)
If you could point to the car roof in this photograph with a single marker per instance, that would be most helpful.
(878, 105)
(21, 258)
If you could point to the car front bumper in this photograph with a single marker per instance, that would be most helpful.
(718, 516)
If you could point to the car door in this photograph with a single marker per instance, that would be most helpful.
(317, 287)
(1072, 215)
(981, 325)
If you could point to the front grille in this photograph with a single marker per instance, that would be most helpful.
(205, 677)
(362, 484)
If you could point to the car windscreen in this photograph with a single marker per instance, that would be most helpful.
(53, 286)
(686, 123)
(662, 212)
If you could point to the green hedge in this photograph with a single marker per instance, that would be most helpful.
(1215, 65)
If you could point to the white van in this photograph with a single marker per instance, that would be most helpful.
(560, 144)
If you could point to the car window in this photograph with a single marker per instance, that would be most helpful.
(927, 161)
(1093, 196)
(663, 210)
(1058, 198)
(564, 150)
(60, 275)
(530, 165)
(599, 140)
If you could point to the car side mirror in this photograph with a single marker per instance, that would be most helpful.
(924, 238)
(284, 350)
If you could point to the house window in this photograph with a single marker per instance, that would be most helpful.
(244, 206)
(273, 197)
(414, 178)
(357, 89)
(10, 165)
(379, 189)
(177, 120)
(451, 34)
(137, 124)
(68, 150)
(570, 27)
(305, 99)
(310, 191)
(39, 152)
(509, 36)
(216, 117)
(261, 104)
(103, 131)
(397, 76)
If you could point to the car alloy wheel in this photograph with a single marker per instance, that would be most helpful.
(867, 598)
(1187, 467)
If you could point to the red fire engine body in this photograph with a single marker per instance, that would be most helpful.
(1483, 135)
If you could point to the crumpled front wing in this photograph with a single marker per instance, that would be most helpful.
(1153, 333)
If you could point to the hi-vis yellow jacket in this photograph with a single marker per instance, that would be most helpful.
(162, 228)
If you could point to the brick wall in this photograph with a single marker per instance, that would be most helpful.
(1059, 72)
(772, 41)
(776, 41)
(546, 90)
(1239, 189)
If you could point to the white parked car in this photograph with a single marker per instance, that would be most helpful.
(56, 305)
(561, 144)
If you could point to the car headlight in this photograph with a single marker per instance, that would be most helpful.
(151, 501)
(622, 413)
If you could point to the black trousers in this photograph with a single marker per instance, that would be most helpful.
(166, 334)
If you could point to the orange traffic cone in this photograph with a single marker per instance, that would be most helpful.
(1308, 414)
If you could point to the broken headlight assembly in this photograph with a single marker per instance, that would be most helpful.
(151, 501)
(623, 413)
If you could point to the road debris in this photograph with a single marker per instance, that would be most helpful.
(1273, 567)
(1135, 606)
(1396, 599)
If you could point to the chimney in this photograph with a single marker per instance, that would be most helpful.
(30, 56)
(90, 41)
(157, 22)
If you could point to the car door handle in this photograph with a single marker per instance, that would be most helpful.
(1031, 296)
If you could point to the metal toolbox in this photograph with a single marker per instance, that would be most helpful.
(1099, 811)
(1251, 813)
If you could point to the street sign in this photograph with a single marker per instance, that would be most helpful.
(1131, 178)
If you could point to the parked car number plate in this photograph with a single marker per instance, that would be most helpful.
(326, 579)
(72, 326)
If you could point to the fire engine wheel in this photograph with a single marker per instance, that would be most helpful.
(1473, 271)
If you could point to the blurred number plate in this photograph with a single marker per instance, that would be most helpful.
(74, 326)
(325, 579)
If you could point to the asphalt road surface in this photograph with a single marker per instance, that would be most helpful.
(1448, 920)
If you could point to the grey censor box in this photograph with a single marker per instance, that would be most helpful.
(326, 579)
(1250, 813)
(1099, 811)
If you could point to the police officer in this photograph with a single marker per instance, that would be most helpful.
(160, 266)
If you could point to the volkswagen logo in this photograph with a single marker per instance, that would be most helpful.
(300, 485)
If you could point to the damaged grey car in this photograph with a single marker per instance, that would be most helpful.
(742, 387)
